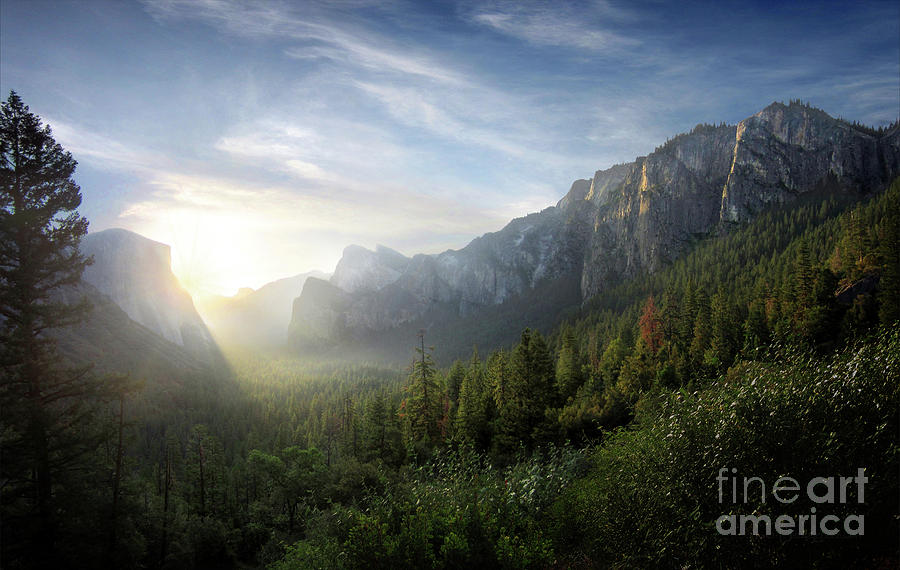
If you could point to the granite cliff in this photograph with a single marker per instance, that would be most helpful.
(255, 319)
(625, 220)
(135, 273)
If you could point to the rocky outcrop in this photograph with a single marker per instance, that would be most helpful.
(255, 319)
(368, 294)
(361, 269)
(650, 209)
(135, 272)
(785, 150)
(699, 183)
(110, 341)
(625, 220)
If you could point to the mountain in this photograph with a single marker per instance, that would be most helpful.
(141, 322)
(648, 212)
(114, 343)
(257, 319)
(136, 274)
(625, 220)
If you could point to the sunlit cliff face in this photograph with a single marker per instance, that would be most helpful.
(219, 252)
(210, 253)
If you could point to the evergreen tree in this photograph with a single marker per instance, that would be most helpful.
(723, 323)
(498, 379)
(377, 425)
(423, 403)
(889, 252)
(803, 278)
(702, 333)
(569, 366)
(455, 377)
(47, 430)
(531, 383)
(756, 335)
(475, 404)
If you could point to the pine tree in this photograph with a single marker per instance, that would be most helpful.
(756, 335)
(422, 405)
(475, 401)
(46, 425)
(376, 425)
(702, 333)
(889, 252)
(453, 387)
(723, 325)
(531, 381)
(569, 367)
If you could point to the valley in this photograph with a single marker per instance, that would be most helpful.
(560, 393)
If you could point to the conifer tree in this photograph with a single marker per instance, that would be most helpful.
(723, 321)
(455, 377)
(376, 425)
(531, 381)
(47, 430)
(422, 405)
(569, 366)
(475, 401)
(700, 340)
(889, 251)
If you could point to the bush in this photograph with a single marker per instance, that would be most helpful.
(455, 511)
(652, 499)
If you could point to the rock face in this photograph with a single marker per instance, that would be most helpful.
(373, 291)
(257, 319)
(363, 270)
(627, 219)
(112, 342)
(135, 272)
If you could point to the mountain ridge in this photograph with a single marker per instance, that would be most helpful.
(628, 219)
(259, 318)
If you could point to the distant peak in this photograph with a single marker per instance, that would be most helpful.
(355, 249)
(793, 106)
(243, 292)
(387, 252)
(122, 235)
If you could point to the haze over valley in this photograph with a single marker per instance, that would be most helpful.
(485, 284)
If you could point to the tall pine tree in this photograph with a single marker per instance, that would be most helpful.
(47, 432)
(423, 404)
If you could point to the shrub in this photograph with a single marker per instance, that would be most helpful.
(652, 498)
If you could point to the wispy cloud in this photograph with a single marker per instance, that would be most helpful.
(252, 212)
(415, 86)
(590, 27)
(312, 26)
(417, 124)
(413, 107)
(103, 151)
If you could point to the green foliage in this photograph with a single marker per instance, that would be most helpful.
(51, 424)
(652, 499)
(476, 406)
(728, 357)
(570, 368)
(457, 510)
(423, 408)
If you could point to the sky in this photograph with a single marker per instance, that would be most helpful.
(258, 139)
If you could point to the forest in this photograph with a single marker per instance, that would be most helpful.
(772, 349)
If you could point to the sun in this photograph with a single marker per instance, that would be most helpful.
(212, 253)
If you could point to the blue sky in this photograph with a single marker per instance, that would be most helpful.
(258, 139)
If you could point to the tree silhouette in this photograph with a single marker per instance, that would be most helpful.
(45, 424)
